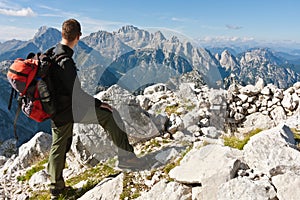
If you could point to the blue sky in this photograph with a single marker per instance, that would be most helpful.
(207, 20)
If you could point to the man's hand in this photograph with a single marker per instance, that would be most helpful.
(106, 106)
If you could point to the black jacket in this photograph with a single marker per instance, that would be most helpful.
(70, 99)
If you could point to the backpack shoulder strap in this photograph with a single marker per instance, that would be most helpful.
(50, 51)
(60, 58)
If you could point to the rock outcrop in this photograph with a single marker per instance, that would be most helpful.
(182, 140)
(260, 106)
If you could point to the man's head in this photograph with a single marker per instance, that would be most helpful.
(71, 30)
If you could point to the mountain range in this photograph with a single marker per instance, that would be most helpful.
(138, 57)
(134, 58)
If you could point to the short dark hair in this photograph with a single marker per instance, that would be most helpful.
(71, 29)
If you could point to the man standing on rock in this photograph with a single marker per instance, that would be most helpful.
(74, 105)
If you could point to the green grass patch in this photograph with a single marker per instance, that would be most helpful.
(169, 167)
(36, 168)
(296, 133)
(96, 173)
(40, 195)
(237, 143)
(131, 186)
(92, 175)
(171, 109)
(190, 107)
(149, 146)
(133, 182)
(172, 165)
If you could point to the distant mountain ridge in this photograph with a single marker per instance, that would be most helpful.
(134, 58)
(101, 52)
(247, 67)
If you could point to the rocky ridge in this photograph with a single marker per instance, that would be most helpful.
(181, 133)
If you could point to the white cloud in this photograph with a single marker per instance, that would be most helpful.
(233, 27)
(178, 19)
(227, 39)
(55, 12)
(184, 19)
(208, 27)
(49, 8)
(23, 12)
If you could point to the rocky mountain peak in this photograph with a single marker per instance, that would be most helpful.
(45, 31)
(128, 29)
(134, 37)
(41, 31)
(174, 39)
(101, 34)
(227, 60)
(98, 39)
(46, 37)
(226, 53)
(159, 36)
(9, 45)
(260, 55)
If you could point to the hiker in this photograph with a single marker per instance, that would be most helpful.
(73, 105)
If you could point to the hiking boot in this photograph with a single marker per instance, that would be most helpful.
(55, 193)
(131, 162)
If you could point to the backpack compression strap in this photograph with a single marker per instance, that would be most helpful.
(13, 91)
(16, 117)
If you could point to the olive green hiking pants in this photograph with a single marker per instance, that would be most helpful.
(62, 140)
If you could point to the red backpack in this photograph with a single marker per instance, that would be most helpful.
(30, 78)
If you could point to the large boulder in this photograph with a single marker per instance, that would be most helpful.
(167, 190)
(258, 120)
(271, 148)
(209, 166)
(138, 123)
(29, 153)
(91, 144)
(245, 189)
(286, 185)
(109, 188)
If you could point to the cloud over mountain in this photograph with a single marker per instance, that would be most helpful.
(233, 27)
(23, 12)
